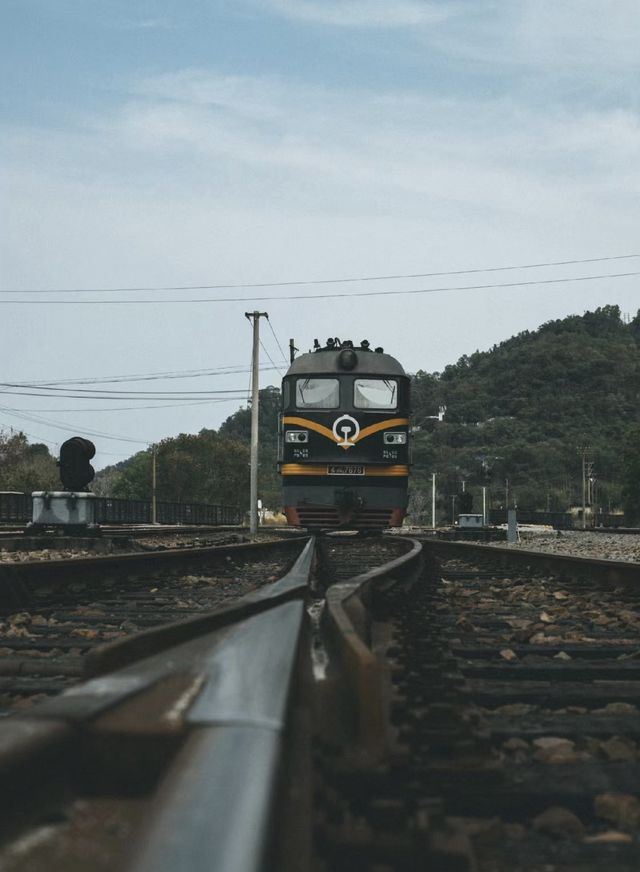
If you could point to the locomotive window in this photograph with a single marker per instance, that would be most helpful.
(375, 393)
(317, 393)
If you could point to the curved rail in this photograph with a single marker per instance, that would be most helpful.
(604, 571)
(348, 620)
(213, 696)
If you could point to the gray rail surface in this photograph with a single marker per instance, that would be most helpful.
(213, 805)
(606, 571)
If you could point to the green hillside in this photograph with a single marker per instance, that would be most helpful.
(518, 415)
(517, 418)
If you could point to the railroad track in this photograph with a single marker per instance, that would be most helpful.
(514, 723)
(173, 755)
(369, 710)
(120, 538)
(53, 615)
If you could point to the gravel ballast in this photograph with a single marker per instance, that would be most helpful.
(603, 546)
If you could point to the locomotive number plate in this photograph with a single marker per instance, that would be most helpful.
(342, 469)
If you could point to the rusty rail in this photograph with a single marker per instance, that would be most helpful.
(348, 620)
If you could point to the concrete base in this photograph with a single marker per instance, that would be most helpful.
(63, 509)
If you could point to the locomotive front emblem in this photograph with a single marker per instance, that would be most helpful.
(349, 428)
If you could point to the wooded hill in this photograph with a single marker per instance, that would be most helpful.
(208, 467)
(519, 413)
(523, 411)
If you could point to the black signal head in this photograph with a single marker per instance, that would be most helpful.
(75, 470)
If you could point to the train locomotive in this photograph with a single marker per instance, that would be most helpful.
(344, 438)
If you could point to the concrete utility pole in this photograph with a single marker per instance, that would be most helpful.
(154, 477)
(254, 317)
(587, 472)
(433, 500)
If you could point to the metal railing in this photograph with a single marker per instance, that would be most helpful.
(16, 508)
(559, 520)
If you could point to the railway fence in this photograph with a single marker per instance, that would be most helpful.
(16, 508)
(558, 520)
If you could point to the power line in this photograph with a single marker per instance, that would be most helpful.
(167, 405)
(155, 376)
(235, 396)
(248, 397)
(349, 279)
(13, 413)
(100, 394)
(182, 302)
(269, 356)
(33, 436)
(284, 357)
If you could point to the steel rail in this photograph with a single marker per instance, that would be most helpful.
(114, 655)
(219, 699)
(348, 621)
(222, 695)
(16, 577)
(214, 809)
(614, 572)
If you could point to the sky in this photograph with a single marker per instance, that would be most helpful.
(278, 143)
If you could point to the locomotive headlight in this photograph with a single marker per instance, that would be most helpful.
(296, 436)
(395, 438)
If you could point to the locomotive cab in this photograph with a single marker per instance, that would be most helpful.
(344, 438)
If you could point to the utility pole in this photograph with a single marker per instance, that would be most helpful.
(587, 472)
(154, 478)
(484, 506)
(433, 500)
(584, 489)
(254, 317)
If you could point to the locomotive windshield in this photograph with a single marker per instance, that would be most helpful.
(375, 393)
(317, 393)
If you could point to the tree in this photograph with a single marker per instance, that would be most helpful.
(202, 468)
(631, 486)
(530, 401)
(238, 426)
(25, 467)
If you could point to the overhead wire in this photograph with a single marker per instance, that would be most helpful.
(340, 280)
(262, 345)
(339, 295)
(167, 405)
(155, 376)
(33, 436)
(12, 387)
(14, 413)
(284, 357)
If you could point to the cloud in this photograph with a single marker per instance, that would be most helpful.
(148, 24)
(586, 36)
(581, 44)
(481, 152)
(244, 138)
(364, 13)
(200, 177)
